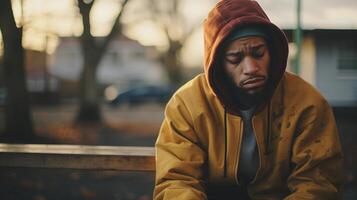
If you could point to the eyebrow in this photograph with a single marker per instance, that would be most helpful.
(234, 53)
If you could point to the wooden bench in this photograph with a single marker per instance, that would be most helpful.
(124, 158)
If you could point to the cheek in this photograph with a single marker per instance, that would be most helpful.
(265, 65)
(235, 76)
(265, 68)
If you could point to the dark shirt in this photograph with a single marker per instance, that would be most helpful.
(249, 157)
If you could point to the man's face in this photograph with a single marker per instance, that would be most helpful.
(246, 61)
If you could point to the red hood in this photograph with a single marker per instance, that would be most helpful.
(229, 15)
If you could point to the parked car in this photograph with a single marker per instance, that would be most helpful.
(143, 94)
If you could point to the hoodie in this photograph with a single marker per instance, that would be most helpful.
(199, 143)
(226, 17)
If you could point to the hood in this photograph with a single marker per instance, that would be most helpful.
(229, 15)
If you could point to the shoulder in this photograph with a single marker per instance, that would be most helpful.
(298, 90)
(303, 100)
(194, 91)
(196, 85)
(195, 97)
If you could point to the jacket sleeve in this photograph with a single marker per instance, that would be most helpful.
(179, 157)
(317, 156)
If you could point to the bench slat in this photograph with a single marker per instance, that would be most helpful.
(78, 157)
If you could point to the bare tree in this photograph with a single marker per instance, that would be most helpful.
(18, 122)
(177, 28)
(93, 52)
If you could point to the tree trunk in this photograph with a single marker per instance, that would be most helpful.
(171, 61)
(173, 68)
(18, 122)
(89, 110)
(92, 51)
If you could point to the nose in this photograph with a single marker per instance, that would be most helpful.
(250, 66)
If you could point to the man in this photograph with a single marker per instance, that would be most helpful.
(246, 129)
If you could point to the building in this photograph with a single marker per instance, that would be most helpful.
(38, 79)
(329, 62)
(42, 87)
(126, 62)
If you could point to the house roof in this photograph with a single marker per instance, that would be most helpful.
(119, 37)
(331, 32)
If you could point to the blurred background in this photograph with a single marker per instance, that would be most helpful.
(99, 72)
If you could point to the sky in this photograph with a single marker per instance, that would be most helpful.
(48, 19)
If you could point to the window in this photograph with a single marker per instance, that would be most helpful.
(347, 57)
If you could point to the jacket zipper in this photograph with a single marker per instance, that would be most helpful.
(259, 154)
(238, 151)
(225, 144)
(267, 142)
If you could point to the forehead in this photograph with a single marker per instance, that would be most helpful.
(246, 42)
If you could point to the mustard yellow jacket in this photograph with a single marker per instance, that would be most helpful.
(298, 144)
(199, 141)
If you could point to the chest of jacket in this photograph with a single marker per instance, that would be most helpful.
(221, 136)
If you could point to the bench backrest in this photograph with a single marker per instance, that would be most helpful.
(127, 158)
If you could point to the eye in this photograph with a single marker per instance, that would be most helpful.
(258, 53)
(234, 59)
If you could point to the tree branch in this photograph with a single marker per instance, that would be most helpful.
(86, 37)
(116, 29)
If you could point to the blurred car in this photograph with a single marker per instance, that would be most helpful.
(143, 94)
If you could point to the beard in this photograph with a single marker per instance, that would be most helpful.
(245, 99)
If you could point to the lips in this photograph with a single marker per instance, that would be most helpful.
(255, 82)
